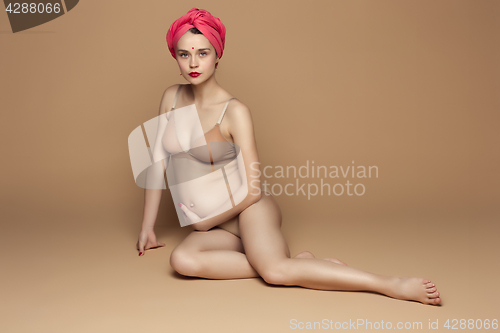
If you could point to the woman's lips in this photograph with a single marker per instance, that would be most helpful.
(194, 74)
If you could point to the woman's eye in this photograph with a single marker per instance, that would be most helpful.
(184, 55)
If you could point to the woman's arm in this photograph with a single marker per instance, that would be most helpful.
(242, 131)
(154, 176)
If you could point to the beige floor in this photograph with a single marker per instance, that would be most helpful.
(87, 277)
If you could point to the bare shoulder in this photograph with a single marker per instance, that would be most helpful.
(239, 122)
(238, 113)
(167, 100)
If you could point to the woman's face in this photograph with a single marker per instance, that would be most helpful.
(196, 54)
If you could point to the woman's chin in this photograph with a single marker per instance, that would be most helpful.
(194, 82)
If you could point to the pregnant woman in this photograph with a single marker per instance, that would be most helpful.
(212, 167)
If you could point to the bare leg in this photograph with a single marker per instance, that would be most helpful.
(212, 254)
(215, 254)
(307, 254)
(266, 248)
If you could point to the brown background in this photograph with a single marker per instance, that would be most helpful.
(409, 86)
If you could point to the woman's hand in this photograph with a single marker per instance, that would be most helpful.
(147, 240)
(192, 217)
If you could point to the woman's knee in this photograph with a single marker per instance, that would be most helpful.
(185, 262)
(274, 274)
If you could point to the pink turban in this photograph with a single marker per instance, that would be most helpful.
(210, 26)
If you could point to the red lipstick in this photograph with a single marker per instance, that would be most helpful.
(194, 74)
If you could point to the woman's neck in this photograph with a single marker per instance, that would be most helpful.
(206, 93)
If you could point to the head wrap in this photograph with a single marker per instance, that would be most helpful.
(210, 26)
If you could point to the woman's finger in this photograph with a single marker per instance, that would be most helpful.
(156, 246)
(140, 247)
(184, 208)
(186, 211)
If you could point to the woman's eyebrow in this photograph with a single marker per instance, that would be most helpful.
(206, 48)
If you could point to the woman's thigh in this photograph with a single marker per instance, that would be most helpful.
(264, 244)
(185, 256)
(213, 239)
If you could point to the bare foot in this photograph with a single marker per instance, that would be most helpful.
(415, 289)
(307, 254)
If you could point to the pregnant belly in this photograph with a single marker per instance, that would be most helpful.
(205, 194)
